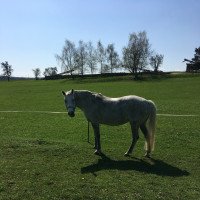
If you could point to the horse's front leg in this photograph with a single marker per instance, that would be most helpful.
(135, 137)
(97, 138)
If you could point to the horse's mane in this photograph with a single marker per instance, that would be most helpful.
(95, 97)
(98, 97)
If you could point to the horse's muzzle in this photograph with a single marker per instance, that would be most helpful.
(71, 114)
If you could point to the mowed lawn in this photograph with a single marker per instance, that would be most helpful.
(46, 155)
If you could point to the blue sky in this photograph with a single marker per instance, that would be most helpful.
(33, 31)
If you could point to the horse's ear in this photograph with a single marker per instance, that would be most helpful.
(72, 91)
(63, 93)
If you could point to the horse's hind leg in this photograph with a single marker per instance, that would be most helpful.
(97, 138)
(135, 137)
(144, 129)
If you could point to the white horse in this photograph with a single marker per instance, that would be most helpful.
(99, 109)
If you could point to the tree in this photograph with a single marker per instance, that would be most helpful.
(101, 55)
(136, 54)
(68, 57)
(193, 65)
(156, 61)
(105, 69)
(112, 58)
(51, 71)
(81, 57)
(196, 55)
(7, 70)
(36, 73)
(91, 58)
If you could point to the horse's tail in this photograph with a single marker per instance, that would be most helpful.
(151, 126)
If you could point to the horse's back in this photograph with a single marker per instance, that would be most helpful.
(138, 108)
(115, 111)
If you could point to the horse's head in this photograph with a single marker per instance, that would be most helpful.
(70, 102)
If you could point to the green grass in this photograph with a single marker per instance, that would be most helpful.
(46, 156)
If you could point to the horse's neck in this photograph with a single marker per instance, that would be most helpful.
(82, 99)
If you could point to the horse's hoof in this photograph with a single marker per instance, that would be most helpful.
(147, 155)
(97, 152)
(126, 154)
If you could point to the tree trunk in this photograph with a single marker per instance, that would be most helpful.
(135, 73)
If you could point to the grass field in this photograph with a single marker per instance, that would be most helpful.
(46, 156)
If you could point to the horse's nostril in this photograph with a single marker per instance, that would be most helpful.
(71, 114)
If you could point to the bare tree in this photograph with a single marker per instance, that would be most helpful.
(136, 54)
(105, 69)
(101, 55)
(156, 61)
(91, 58)
(81, 57)
(7, 70)
(36, 73)
(51, 71)
(68, 57)
(112, 58)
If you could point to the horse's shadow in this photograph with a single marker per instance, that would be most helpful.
(150, 166)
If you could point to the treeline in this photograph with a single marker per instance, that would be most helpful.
(87, 58)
